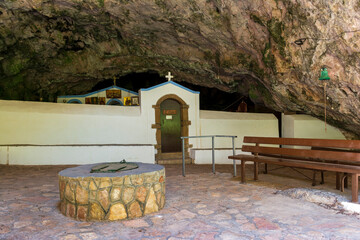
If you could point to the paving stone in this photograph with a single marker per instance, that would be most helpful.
(228, 235)
(4, 229)
(156, 234)
(205, 212)
(137, 223)
(89, 236)
(186, 234)
(222, 216)
(201, 206)
(184, 214)
(242, 199)
(69, 237)
(205, 236)
(22, 224)
(248, 226)
(264, 224)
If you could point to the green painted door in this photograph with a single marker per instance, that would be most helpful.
(170, 118)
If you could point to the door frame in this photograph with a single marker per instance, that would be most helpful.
(184, 119)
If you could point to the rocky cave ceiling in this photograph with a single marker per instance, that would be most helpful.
(55, 47)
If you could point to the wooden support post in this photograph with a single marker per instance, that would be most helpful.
(243, 171)
(256, 170)
(338, 181)
(355, 187)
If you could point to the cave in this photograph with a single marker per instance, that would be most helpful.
(269, 51)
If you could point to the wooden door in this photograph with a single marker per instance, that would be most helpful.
(170, 119)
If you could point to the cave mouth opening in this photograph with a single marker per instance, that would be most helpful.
(210, 98)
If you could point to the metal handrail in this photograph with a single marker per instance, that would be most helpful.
(212, 149)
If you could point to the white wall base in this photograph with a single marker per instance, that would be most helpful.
(77, 155)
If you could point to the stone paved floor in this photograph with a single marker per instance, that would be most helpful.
(199, 206)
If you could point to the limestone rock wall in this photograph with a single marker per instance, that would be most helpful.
(50, 47)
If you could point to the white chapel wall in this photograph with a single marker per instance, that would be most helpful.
(150, 96)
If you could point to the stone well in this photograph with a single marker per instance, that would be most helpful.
(111, 196)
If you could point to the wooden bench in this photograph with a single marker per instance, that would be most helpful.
(340, 156)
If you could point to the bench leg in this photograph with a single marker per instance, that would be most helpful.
(355, 187)
(338, 181)
(346, 180)
(266, 170)
(243, 171)
(322, 177)
(314, 178)
(256, 170)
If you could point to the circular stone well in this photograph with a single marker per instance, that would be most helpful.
(111, 196)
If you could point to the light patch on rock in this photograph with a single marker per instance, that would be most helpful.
(323, 198)
(351, 207)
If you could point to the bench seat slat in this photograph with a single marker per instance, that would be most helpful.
(304, 153)
(334, 143)
(299, 163)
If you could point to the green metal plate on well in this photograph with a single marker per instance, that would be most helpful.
(114, 167)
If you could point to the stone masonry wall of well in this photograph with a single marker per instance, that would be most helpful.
(112, 198)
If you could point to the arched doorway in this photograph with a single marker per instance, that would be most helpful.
(170, 119)
(114, 101)
(171, 112)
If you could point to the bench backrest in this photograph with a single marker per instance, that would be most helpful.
(327, 149)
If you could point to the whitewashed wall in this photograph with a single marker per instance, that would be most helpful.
(305, 126)
(234, 124)
(69, 155)
(47, 124)
(57, 123)
(237, 124)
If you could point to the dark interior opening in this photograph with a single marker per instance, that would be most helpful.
(210, 98)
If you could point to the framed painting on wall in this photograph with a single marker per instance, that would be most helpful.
(92, 100)
(135, 101)
(102, 100)
(113, 93)
(127, 101)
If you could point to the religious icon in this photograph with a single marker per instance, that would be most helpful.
(113, 93)
(101, 100)
(127, 101)
(135, 101)
(92, 100)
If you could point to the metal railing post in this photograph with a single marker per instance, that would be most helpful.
(183, 157)
(233, 146)
(213, 155)
(212, 150)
